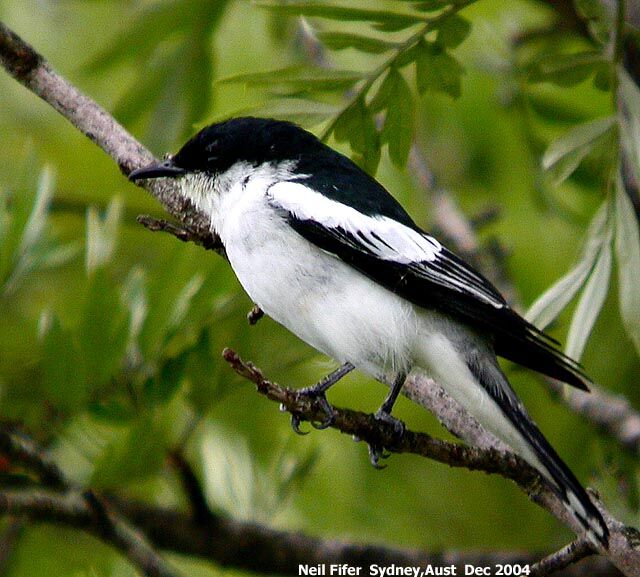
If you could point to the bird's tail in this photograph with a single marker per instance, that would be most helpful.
(536, 450)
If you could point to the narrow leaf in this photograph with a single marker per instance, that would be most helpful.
(627, 243)
(343, 13)
(398, 126)
(567, 69)
(102, 235)
(553, 301)
(300, 77)
(342, 40)
(307, 113)
(565, 154)
(356, 125)
(437, 71)
(630, 120)
(591, 301)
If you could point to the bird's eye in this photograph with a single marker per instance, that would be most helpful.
(213, 145)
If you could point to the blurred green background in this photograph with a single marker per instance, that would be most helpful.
(112, 360)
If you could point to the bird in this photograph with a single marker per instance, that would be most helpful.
(326, 251)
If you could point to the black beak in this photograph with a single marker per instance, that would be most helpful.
(157, 170)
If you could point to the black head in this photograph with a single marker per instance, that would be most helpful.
(254, 140)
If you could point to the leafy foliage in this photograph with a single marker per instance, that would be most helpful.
(26, 242)
(432, 30)
(161, 38)
(614, 226)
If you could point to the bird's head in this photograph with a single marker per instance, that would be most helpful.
(247, 141)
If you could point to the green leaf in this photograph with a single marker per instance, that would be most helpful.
(431, 5)
(104, 329)
(568, 69)
(437, 71)
(231, 480)
(63, 366)
(627, 243)
(134, 294)
(452, 31)
(554, 300)
(184, 300)
(629, 119)
(356, 125)
(591, 301)
(161, 389)
(395, 96)
(306, 113)
(136, 453)
(565, 154)
(343, 40)
(22, 239)
(302, 77)
(599, 18)
(344, 13)
(102, 235)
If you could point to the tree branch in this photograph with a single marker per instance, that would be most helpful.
(253, 547)
(105, 521)
(572, 553)
(482, 457)
(30, 68)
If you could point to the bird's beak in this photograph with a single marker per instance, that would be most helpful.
(157, 170)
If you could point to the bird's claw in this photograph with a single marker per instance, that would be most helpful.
(397, 424)
(376, 452)
(319, 397)
(295, 425)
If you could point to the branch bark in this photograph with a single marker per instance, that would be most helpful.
(254, 547)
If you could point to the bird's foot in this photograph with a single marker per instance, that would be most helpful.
(377, 452)
(315, 394)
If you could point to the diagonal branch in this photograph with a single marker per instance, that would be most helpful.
(31, 70)
(380, 433)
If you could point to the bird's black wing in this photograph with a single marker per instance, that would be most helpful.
(415, 266)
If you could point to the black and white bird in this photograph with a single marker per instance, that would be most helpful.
(323, 249)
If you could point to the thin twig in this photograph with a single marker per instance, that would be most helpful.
(572, 553)
(20, 448)
(192, 487)
(181, 232)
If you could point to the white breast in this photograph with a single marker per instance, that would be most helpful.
(325, 302)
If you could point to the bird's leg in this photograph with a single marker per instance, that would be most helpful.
(384, 414)
(254, 315)
(318, 392)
